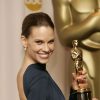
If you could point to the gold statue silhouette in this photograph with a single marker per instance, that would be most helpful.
(80, 20)
(76, 55)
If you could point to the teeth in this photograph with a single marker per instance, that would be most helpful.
(44, 55)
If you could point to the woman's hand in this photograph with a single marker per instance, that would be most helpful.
(94, 99)
(79, 80)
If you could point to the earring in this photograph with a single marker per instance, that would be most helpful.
(25, 48)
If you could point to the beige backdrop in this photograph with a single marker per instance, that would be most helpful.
(12, 13)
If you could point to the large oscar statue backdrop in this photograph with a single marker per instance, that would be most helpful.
(80, 19)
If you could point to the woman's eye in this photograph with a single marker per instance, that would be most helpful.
(51, 42)
(39, 42)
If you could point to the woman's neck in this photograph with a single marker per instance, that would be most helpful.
(27, 61)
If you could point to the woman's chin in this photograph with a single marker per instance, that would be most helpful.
(43, 61)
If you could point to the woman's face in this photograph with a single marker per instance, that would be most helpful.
(40, 44)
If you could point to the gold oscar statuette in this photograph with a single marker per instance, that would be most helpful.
(77, 57)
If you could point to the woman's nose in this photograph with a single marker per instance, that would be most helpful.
(46, 48)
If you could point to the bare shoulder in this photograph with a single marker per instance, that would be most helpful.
(20, 83)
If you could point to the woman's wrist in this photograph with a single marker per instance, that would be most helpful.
(73, 95)
(72, 91)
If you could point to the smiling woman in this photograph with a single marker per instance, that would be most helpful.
(38, 40)
(33, 80)
(40, 44)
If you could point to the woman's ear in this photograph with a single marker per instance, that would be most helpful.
(24, 41)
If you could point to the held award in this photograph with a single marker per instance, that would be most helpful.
(76, 54)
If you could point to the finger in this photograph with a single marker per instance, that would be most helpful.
(81, 77)
(74, 76)
(74, 82)
(83, 85)
(94, 99)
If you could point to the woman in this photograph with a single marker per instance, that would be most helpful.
(38, 39)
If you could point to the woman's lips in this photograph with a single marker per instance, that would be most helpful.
(44, 55)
